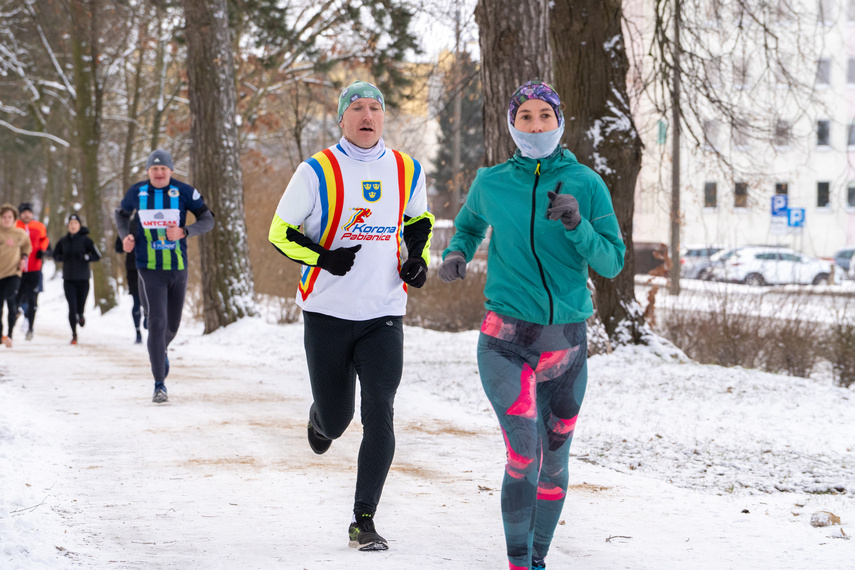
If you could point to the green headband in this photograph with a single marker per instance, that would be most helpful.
(358, 90)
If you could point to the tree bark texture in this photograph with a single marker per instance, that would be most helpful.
(590, 72)
(227, 288)
(88, 100)
(514, 42)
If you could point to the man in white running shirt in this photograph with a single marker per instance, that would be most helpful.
(344, 216)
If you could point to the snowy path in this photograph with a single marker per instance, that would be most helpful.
(222, 477)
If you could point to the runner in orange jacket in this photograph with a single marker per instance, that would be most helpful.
(31, 280)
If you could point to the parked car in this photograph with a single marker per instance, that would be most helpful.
(759, 266)
(695, 261)
(843, 260)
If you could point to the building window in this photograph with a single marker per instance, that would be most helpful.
(782, 188)
(740, 74)
(662, 128)
(823, 71)
(714, 10)
(740, 195)
(850, 195)
(710, 194)
(823, 133)
(739, 14)
(713, 71)
(782, 133)
(850, 70)
(825, 12)
(739, 133)
(781, 78)
(823, 194)
(784, 11)
(710, 134)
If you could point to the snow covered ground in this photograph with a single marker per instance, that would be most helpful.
(674, 465)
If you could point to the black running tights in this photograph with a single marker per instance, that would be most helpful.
(76, 291)
(8, 293)
(338, 350)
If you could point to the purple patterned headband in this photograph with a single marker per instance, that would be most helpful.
(535, 90)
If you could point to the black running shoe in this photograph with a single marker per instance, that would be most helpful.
(363, 535)
(317, 442)
(538, 564)
(81, 320)
(139, 338)
(159, 394)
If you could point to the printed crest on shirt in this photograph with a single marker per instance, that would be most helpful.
(173, 192)
(371, 190)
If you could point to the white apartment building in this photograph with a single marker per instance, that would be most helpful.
(792, 132)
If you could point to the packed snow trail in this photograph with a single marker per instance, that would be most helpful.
(94, 475)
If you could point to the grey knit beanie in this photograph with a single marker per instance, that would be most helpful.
(159, 158)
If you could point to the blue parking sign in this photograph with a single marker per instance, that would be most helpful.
(779, 205)
(796, 217)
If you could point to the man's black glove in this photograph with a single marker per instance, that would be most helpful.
(564, 207)
(453, 267)
(338, 261)
(39, 254)
(414, 272)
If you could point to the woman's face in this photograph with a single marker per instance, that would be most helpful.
(535, 116)
(8, 219)
(73, 226)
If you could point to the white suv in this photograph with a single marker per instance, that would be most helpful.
(769, 265)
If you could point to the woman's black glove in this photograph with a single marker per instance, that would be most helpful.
(414, 272)
(338, 261)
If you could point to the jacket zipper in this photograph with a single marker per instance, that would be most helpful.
(533, 251)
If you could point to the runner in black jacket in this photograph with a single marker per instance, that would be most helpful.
(76, 251)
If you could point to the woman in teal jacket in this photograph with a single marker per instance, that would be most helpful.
(552, 219)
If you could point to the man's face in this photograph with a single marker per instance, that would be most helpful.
(362, 122)
(26, 216)
(159, 175)
(7, 219)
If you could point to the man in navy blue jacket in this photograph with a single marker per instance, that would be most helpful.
(160, 248)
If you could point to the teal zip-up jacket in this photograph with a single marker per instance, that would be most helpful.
(537, 270)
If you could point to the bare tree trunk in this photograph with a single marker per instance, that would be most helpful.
(160, 72)
(590, 74)
(84, 47)
(227, 288)
(514, 42)
(674, 272)
(134, 88)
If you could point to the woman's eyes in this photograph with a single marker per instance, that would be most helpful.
(543, 117)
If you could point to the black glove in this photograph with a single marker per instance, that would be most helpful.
(453, 267)
(564, 207)
(414, 272)
(338, 261)
(39, 254)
